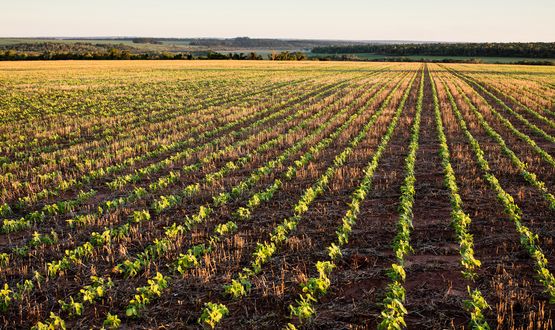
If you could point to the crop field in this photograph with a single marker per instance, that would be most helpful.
(264, 195)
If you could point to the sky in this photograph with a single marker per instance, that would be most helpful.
(425, 20)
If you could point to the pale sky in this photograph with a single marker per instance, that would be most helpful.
(429, 20)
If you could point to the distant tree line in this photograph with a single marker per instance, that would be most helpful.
(274, 56)
(104, 53)
(287, 56)
(82, 51)
(354, 58)
(230, 56)
(112, 54)
(521, 49)
(66, 47)
(146, 41)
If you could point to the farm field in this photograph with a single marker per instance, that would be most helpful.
(264, 195)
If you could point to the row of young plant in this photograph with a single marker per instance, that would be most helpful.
(292, 104)
(538, 131)
(132, 111)
(87, 295)
(316, 287)
(393, 312)
(166, 202)
(58, 208)
(90, 162)
(120, 159)
(542, 85)
(523, 94)
(93, 134)
(162, 246)
(47, 211)
(515, 102)
(78, 157)
(64, 207)
(130, 268)
(96, 174)
(119, 232)
(541, 152)
(460, 220)
(117, 94)
(194, 254)
(241, 285)
(530, 177)
(26, 202)
(91, 294)
(153, 116)
(548, 108)
(75, 256)
(108, 207)
(148, 136)
(192, 258)
(541, 107)
(522, 136)
(245, 212)
(46, 105)
(528, 239)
